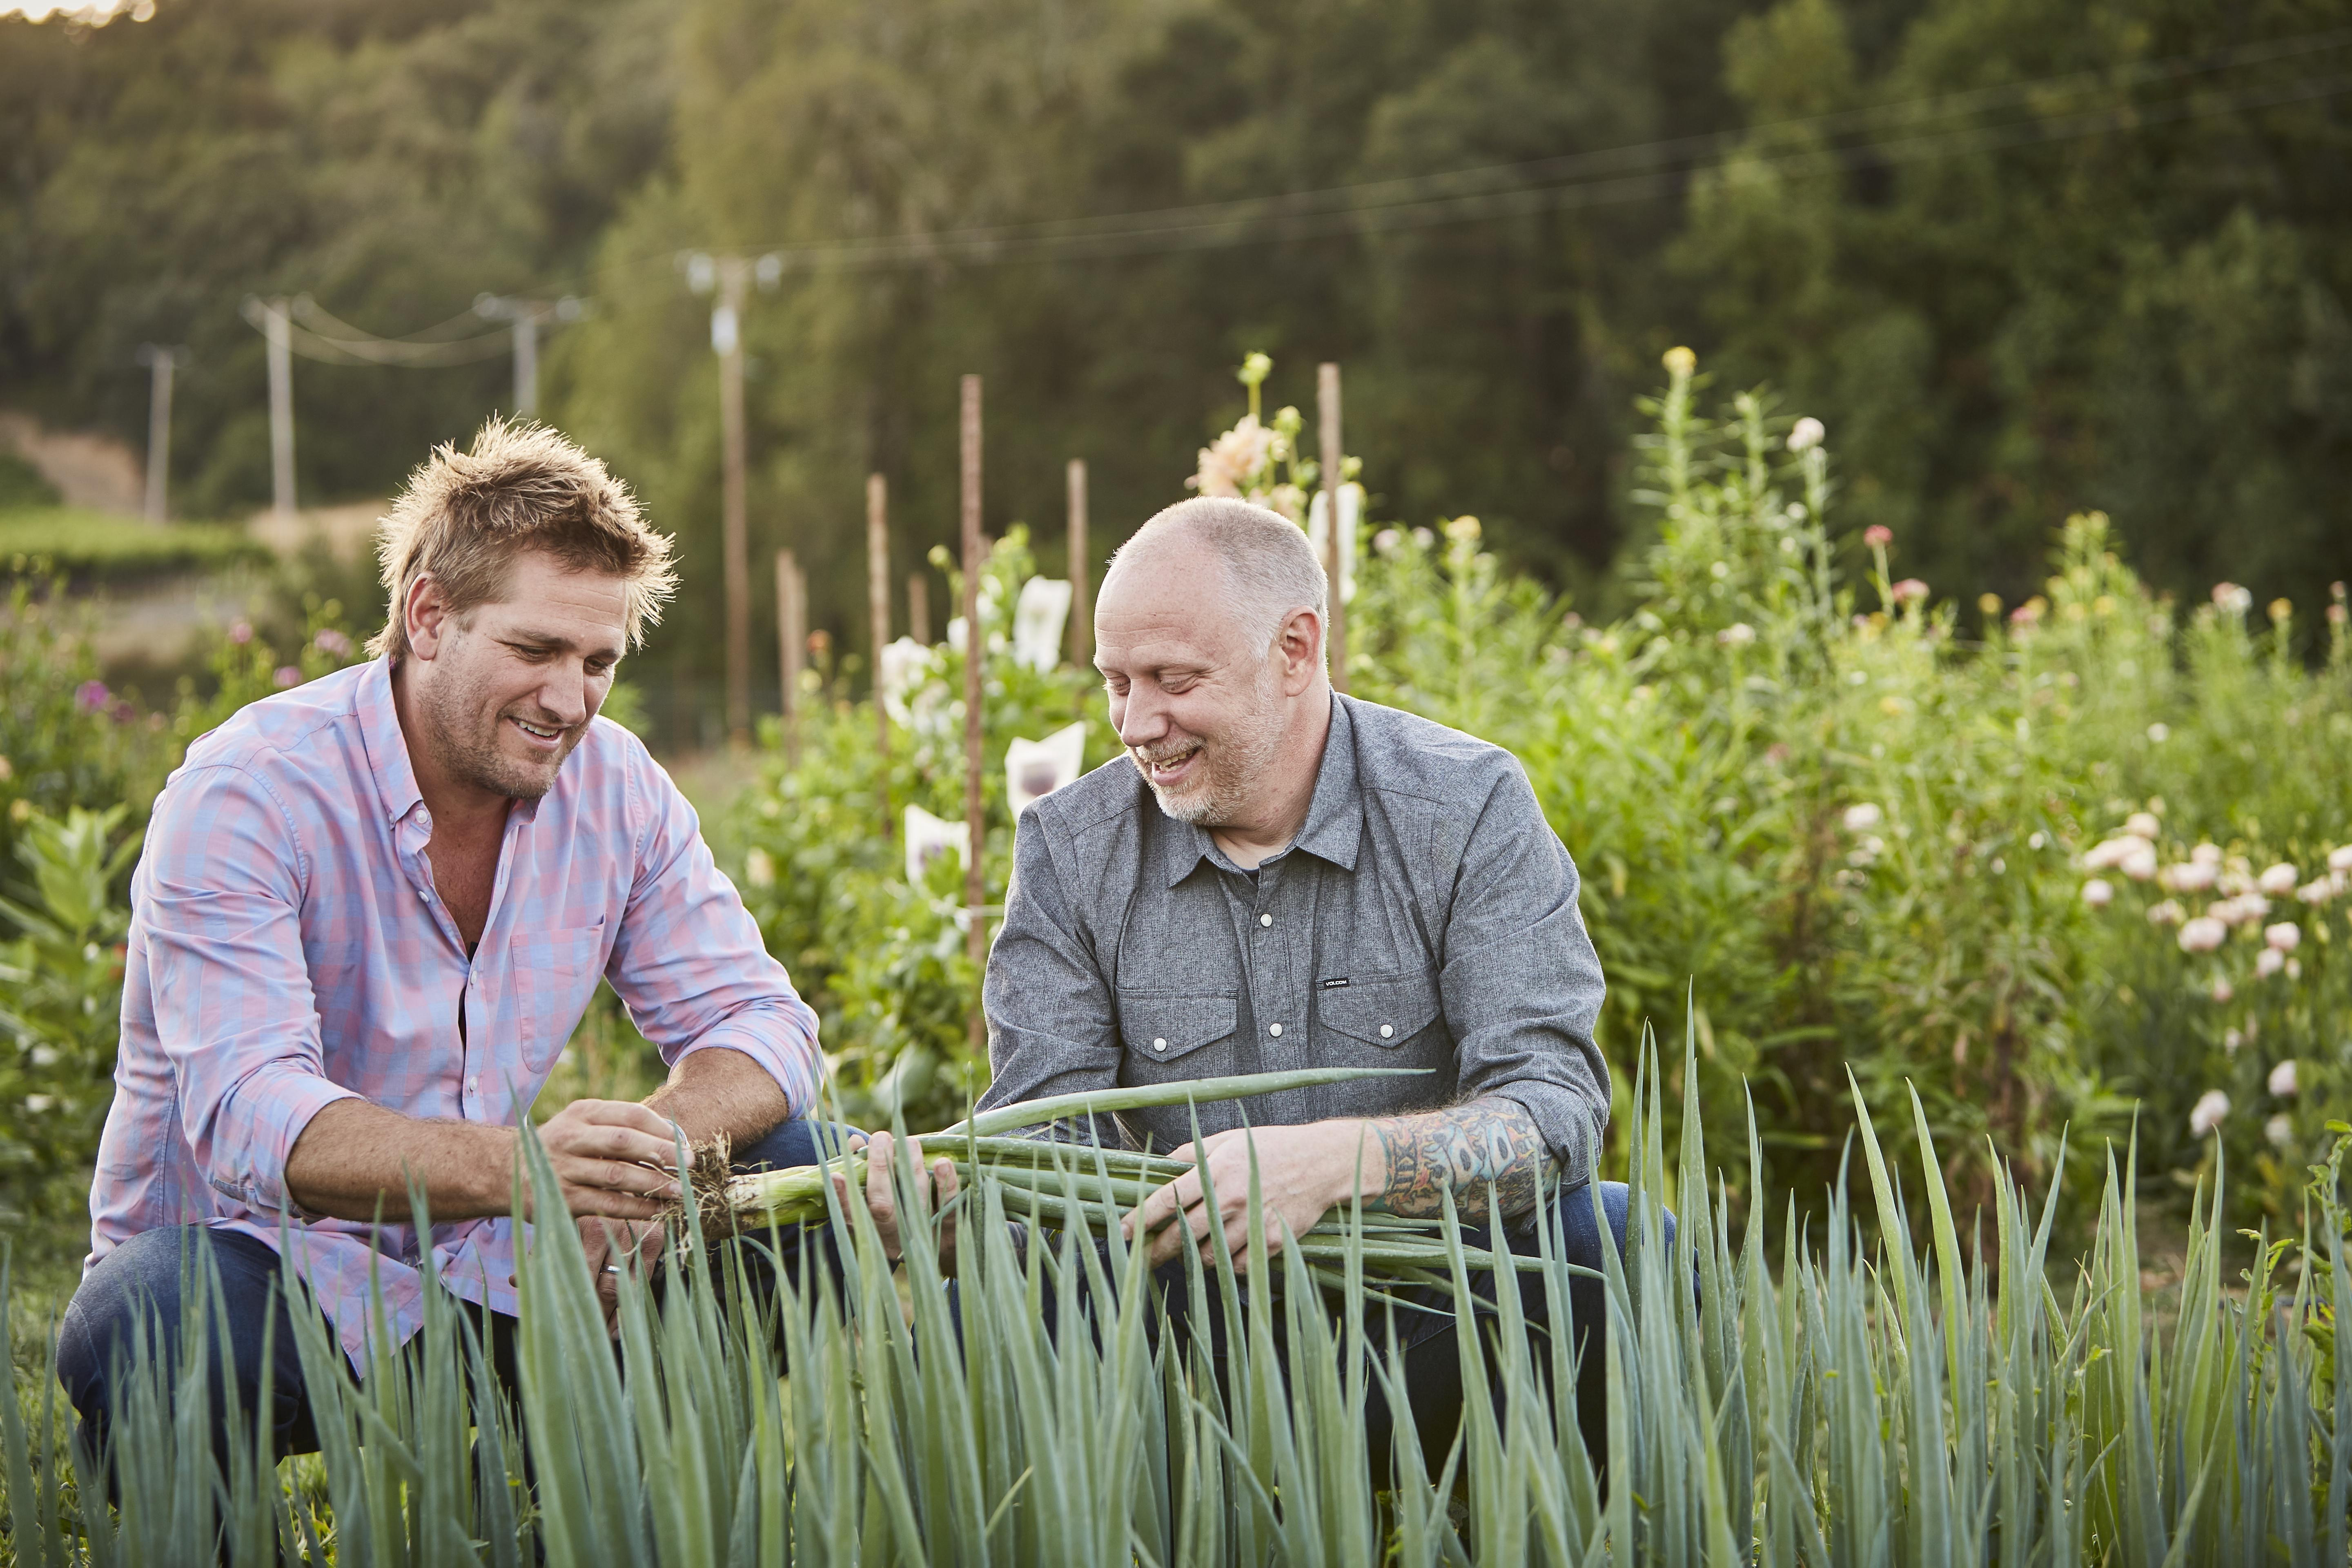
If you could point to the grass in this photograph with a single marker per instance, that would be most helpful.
(90, 546)
(1824, 1398)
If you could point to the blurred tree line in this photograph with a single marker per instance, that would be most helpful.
(2023, 260)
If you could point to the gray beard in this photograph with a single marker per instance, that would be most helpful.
(1240, 757)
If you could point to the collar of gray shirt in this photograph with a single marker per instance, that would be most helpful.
(1334, 817)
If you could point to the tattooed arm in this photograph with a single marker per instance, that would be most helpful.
(1491, 1141)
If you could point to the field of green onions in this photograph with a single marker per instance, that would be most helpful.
(1883, 1380)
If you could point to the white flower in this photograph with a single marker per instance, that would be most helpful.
(1039, 617)
(37, 1104)
(2035, 840)
(2340, 858)
(2202, 935)
(2206, 1115)
(2142, 825)
(928, 837)
(1035, 769)
(1806, 434)
(2295, 969)
(45, 1056)
(2286, 936)
(2277, 880)
(2189, 876)
(2318, 890)
(2139, 865)
(2282, 1084)
(2159, 732)
(2098, 892)
(2117, 850)
(1235, 458)
(2222, 991)
(1739, 634)
(2231, 1040)
(2233, 599)
(1861, 818)
(2269, 962)
(2280, 1131)
(760, 869)
(2167, 913)
(2206, 855)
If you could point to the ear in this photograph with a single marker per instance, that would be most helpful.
(424, 615)
(1298, 648)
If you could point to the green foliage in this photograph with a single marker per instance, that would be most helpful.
(22, 488)
(1819, 1398)
(61, 1000)
(885, 961)
(90, 546)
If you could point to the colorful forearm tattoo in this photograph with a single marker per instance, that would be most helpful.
(1491, 1142)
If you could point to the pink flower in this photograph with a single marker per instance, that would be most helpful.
(1908, 589)
(2098, 892)
(286, 675)
(2282, 1084)
(2139, 865)
(2232, 599)
(1878, 536)
(2277, 880)
(2269, 962)
(2189, 876)
(2224, 990)
(91, 697)
(2202, 935)
(2167, 913)
(332, 642)
(241, 633)
(2026, 614)
(2286, 936)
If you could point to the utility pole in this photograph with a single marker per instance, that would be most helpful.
(278, 331)
(878, 604)
(163, 361)
(731, 276)
(792, 645)
(1082, 614)
(1326, 400)
(975, 659)
(525, 316)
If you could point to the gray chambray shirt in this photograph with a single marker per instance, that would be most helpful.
(1425, 916)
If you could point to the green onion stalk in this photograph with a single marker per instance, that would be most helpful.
(1086, 1187)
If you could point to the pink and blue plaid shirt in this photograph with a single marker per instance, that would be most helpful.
(287, 950)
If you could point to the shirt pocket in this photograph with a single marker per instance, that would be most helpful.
(1165, 1026)
(1384, 1010)
(555, 975)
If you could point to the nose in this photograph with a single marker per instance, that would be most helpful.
(1140, 717)
(565, 695)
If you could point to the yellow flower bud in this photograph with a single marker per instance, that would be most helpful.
(1680, 361)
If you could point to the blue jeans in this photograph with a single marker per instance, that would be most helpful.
(149, 1279)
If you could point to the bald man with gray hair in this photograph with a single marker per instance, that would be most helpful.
(1276, 876)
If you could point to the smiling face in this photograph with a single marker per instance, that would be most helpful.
(1203, 708)
(503, 691)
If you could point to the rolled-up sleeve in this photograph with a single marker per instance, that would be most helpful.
(689, 962)
(1052, 1025)
(1521, 982)
(219, 931)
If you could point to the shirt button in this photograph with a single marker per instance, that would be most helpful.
(1386, 1030)
(471, 1085)
(1158, 1045)
(1265, 920)
(423, 895)
(1275, 1029)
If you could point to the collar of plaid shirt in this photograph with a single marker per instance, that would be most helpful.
(287, 950)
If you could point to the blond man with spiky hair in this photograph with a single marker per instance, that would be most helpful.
(370, 912)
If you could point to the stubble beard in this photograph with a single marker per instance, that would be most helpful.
(1232, 762)
(466, 746)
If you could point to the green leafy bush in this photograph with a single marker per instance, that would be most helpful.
(90, 546)
(22, 488)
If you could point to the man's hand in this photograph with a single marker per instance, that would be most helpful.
(934, 1187)
(1303, 1173)
(616, 1247)
(614, 1159)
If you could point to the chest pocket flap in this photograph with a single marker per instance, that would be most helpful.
(1162, 1025)
(1380, 1009)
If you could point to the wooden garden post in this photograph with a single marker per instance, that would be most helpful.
(918, 607)
(878, 600)
(975, 660)
(792, 645)
(1326, 400)
(1082, 613)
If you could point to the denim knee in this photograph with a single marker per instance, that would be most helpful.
(799, 1141)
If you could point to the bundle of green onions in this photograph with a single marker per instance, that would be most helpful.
(1089, 1189)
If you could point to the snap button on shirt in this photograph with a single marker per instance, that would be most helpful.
(1265, 920)
(1275, 1029)
(1158, 1045)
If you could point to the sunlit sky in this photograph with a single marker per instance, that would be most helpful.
(40, 9)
